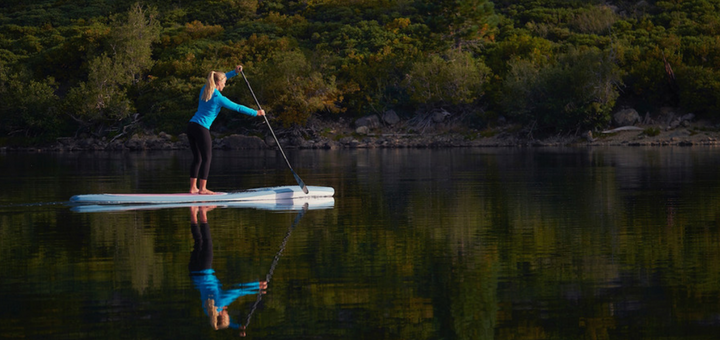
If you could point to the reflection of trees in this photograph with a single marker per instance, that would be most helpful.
(461, 243)
(601, 245)
(585, 232)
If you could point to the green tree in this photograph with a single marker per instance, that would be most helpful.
(296, 89)
(28, 108)
(453, 79)
(223, 12)
(699, 90)
(462, 22)
(102, 101)
(578, 90)
(131, 42)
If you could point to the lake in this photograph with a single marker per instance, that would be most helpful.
(466, 243)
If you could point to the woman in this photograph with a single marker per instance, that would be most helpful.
(215, 299)
(198, 131)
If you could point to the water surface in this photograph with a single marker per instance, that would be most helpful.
(497, 243)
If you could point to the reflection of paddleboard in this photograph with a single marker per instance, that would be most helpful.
(315, 203)
(260, 194)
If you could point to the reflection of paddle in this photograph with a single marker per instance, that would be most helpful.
(297, 178)
(272, 266)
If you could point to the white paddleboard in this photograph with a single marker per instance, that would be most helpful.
(313, 203)
(259, 194)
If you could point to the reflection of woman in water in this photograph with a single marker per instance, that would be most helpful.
(214, 299)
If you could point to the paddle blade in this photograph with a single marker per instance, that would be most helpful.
(301, 183)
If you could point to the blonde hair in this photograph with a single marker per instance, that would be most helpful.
(213, 78)
(218, 320)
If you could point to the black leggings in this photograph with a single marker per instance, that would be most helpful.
(201, 257)
(201, 146)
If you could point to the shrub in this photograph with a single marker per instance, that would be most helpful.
(578, 90)
(596, 19)
(457, 78)
(29, 108)
(296, 89)
(651, 131)
(699, 90)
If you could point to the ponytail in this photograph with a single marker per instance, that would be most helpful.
(212, 79)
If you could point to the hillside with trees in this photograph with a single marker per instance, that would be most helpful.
(103, 68)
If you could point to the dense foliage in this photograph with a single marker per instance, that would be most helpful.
(100, 66)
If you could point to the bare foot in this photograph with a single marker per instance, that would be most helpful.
(194, 190)
(206, 192)
(206, 208)
(203, 212)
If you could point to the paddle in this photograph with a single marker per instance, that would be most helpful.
(297, 178)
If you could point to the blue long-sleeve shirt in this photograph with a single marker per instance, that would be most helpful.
(208, 110)
(211, 288)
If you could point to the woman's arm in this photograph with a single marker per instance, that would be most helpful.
(229, 104)
(234, 72)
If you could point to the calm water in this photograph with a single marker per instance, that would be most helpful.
(611, 243)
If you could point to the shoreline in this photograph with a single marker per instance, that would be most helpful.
(339, 136)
